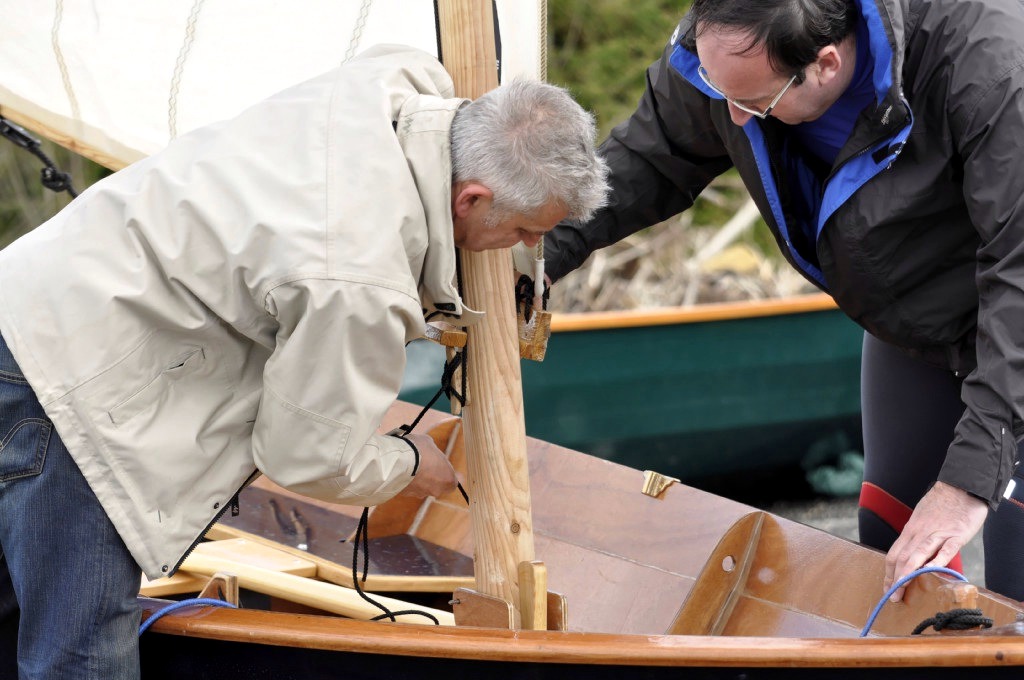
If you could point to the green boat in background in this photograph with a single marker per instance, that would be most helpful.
(693, 393)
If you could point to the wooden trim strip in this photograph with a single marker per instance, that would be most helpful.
(590, 321)
(321, 632)
(116, 159)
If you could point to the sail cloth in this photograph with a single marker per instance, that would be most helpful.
(115, 80)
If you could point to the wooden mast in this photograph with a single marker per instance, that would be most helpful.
(499, 483)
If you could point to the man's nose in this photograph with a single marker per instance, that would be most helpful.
(739, 116)
(531, 239)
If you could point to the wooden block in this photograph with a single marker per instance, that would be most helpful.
(473, 608)
(958, 595)
(445, 334)
(222, 586)
(534, 335)
(558, 612)
(533, 595)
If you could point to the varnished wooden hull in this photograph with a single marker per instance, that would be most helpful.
(686, 584)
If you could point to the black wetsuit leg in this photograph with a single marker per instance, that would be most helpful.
(1004, 542)
(910, 410)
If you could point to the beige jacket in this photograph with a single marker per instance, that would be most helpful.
(241, 301)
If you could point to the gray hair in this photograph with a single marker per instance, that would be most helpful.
(530, 143)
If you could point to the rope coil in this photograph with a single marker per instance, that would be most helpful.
(955, 619)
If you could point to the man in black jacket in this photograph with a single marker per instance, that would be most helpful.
(882, 141)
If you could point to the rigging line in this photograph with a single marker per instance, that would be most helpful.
(357, 30)
(543, 70)
(179, 69)
(58, 54)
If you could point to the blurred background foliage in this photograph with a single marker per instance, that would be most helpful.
(598, 49)
(24, 202)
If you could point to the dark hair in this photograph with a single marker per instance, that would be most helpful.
(791, 31)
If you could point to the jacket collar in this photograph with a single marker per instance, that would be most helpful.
(424, 133)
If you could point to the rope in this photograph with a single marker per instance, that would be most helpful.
(361, 539)
(955, 619)
(899, 584)
(357, 30)
(179, 68)
(58, 54)
(362, 536)
(192, 602)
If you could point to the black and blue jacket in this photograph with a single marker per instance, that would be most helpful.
(917, 230)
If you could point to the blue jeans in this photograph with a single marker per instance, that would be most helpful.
(68, 585)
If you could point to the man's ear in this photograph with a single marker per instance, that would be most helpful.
(469, 198)
(829, 63)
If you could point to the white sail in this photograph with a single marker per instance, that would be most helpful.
(117, 79)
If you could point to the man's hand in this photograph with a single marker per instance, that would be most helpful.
(529, 270)
(942, 523)
(435, 476)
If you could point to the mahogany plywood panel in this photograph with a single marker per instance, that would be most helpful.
(675, 532)
(752, 617)
(813, 571)
(610, 594)
(779, 578)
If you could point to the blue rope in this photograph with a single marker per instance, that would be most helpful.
(193, 602)
(899, 584)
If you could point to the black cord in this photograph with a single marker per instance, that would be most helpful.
(50, 176)
(362, 535)
(955, 619)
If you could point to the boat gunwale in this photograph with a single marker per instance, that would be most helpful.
(566, 322)
(311, 631)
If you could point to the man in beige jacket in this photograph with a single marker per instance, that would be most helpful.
(240, 303)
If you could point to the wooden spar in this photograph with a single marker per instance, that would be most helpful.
(499, 483)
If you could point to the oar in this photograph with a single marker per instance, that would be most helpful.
(318, 594)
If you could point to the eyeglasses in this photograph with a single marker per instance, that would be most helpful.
(745, 109)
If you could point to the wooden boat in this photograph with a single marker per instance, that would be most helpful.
(647, 585)
(691, 392)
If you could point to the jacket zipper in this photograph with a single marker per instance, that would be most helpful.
(231, 504)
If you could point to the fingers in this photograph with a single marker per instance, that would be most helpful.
(941, 524)
(911, 552)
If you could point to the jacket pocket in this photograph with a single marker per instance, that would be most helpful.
(23, 449)
(149, 394)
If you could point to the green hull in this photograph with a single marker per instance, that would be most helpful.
(693, 400)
